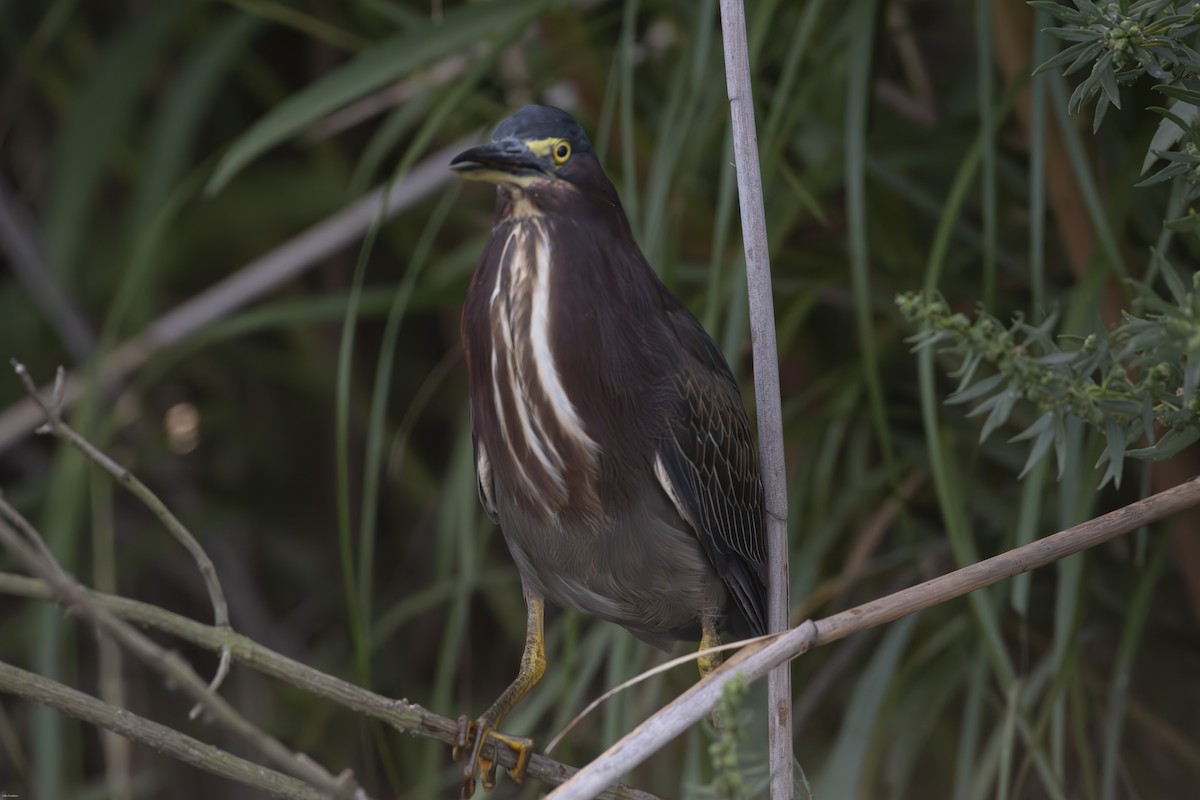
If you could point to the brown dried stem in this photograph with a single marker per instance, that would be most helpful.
(757, 659)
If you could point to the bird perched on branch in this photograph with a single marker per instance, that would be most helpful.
(611, 444)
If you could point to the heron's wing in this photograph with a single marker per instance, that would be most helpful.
(708, 465)
(484, 482)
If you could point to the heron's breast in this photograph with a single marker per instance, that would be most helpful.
(553, 459)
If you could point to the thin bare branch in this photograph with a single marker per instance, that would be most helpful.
(404, 716)
(56, 426)
(766, 379)
(755, 660)
(685, 711)
(170, 665)
(157, 736)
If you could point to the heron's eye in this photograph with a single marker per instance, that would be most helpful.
(562, 151)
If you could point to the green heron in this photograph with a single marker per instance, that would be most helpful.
(611, 444)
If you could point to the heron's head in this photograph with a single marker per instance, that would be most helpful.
(541, 154)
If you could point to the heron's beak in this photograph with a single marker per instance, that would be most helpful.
(503, 161)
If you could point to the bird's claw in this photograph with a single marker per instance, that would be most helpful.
(471, 736)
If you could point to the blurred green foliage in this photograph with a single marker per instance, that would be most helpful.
(152, 149)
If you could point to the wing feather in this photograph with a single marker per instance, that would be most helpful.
(708, 466)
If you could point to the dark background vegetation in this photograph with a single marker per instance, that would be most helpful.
(899, 149)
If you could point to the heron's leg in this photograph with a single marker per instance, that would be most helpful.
(533, 666)
(709, 638)
(708, 663)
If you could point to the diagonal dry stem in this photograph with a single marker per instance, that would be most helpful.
(756, 660)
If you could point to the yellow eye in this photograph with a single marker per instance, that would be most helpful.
(562, 151)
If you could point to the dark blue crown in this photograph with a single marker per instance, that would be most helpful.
(543, 122)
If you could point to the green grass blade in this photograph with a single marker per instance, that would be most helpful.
(177, 125)
(1042, 50)
(383, 141)
(772, 138)
(946, 472)
(722, 219)
(314, 27)
(967, 762)
(1136, 615)
(359, 626)
(376, 433)
(845, 775)
(1029, 511)
(462, 553)
(983, 65)
(1008, 740)
(625, 117)
(94, 123)
(858, 95)
(1106, 237)
(373, 68)
(53, 754)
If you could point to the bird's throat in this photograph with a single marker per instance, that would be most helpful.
(515, 203)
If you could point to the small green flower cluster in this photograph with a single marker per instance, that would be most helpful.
(1122, 41)
(1137, 381)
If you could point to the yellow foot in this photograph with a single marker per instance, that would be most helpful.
(471, 736)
